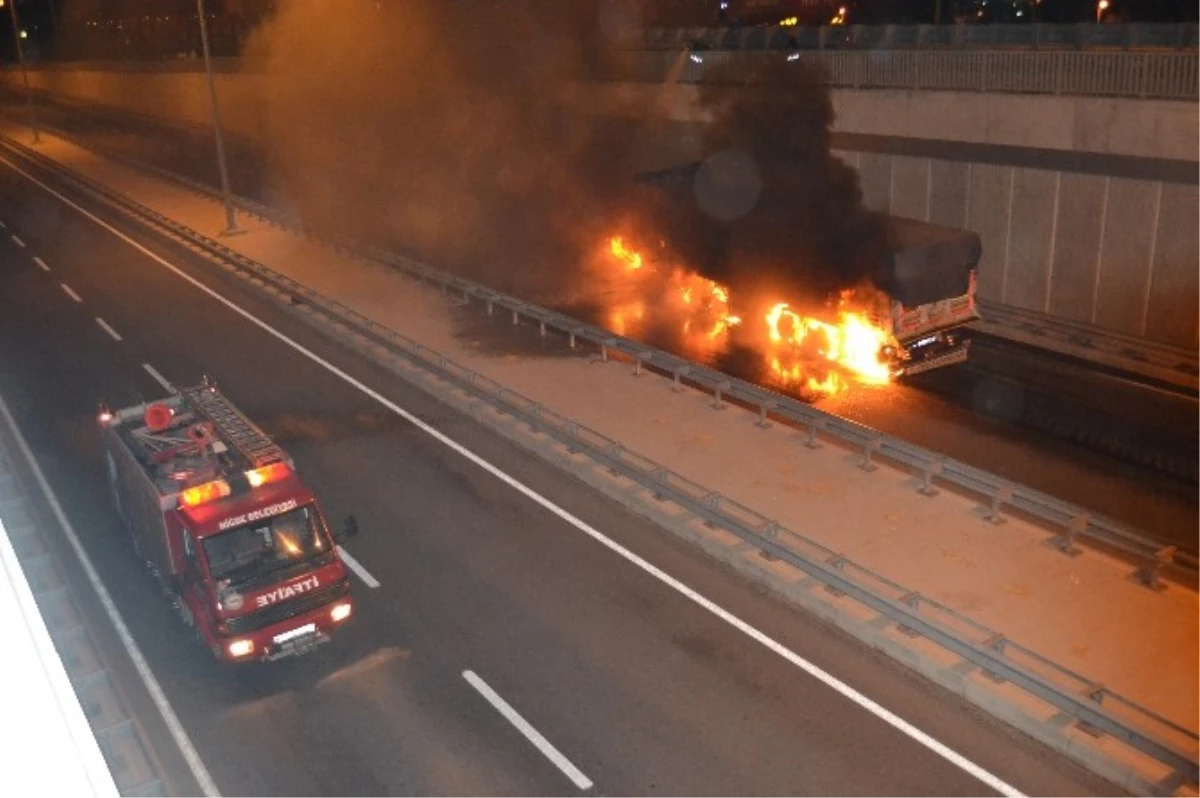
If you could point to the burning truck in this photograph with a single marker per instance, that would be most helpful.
(906, 315)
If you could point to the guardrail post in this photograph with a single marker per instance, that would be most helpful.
(571, 338)
(637, 362)
(769, 530)
(536, 412)
(869, 448)
(996, 643)
(1002, 495)
(604, 345)
(931, 470)
(720, 387)
(1150, 574)
(1064, 541)
(913, 600)
(490, 309)
(516, 318)
(1095, 692)
(836, 561)
(660, 476)
(713, 502)
(573, 431)
(763, 409)
(813, 426)
(614, 451)
(541, 328)
(682, 371)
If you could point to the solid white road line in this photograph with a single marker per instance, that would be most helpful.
(71, 293)
(898, 723)
(16, 240)
(108, 329)
(160, 379)
(357, 568)
(180, 736)
(41, 263)
(531, 734)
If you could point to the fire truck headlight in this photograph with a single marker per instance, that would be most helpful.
(240, 648)
(340, 612)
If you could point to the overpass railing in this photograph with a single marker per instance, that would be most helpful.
(1151, 75)
(1137, 36)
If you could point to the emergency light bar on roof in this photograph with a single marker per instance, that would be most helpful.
(198, 447)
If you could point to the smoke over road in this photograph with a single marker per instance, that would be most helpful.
(770, 205)
(435, 125)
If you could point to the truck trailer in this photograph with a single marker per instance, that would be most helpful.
(217, 512)
(924, 277)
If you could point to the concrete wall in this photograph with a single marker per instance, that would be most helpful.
(1142, 128)
(1115, 126)
(1121, 254)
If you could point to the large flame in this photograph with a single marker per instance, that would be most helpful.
(631, 259)
(803, 353)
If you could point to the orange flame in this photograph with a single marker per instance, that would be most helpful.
(853, 343)
(631, 259)
(803, 352)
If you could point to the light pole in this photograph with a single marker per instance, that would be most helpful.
(16, 23)
(1101, 7)
(230, 220)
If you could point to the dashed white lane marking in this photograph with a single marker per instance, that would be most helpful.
(829, 680)
(67, 289)
(160, 379)
(108, 329)
(41, 263)
(17, 240)
(357, 568)
(531, 734)
(178, 733)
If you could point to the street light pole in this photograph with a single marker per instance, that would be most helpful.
(16, 23)
(230, 220)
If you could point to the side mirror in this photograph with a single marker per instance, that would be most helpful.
(349, 528)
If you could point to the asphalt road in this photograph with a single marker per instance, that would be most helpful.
(639, 687)
(1000, 414)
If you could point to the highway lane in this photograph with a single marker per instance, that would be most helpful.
(953, 418)
(642, 690)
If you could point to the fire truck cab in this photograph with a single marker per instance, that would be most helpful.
(219, 515)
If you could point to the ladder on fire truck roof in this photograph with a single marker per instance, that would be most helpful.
(236, 430)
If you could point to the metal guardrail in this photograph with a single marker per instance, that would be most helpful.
(987, 649)
(1135, 36)
(1070, 524)
(1174, 365)
(1171, 76)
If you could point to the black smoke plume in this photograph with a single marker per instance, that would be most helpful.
(435, 125)
(769, 205)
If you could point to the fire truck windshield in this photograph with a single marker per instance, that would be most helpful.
(259, 548)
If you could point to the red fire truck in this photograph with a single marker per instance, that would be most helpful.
(217, 511)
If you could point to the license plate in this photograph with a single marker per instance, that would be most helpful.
(299, 631)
